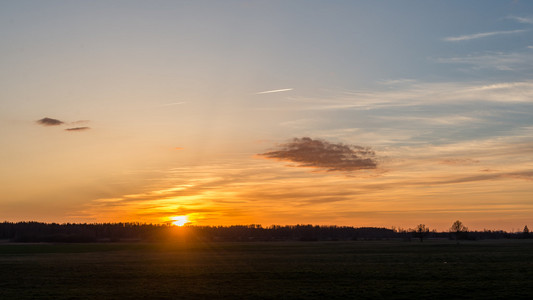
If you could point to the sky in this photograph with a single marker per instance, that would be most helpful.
(355, 113)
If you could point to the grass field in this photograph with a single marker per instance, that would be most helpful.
(272, 270)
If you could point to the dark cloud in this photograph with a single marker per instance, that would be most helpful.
(324, 155)
(78, 128)
(49, 122)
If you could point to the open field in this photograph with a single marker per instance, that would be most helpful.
(269, 270)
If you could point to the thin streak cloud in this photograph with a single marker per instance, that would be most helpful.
(481, 35)
(274, 91)
(522, 20)
(78, 128)
(79, 122)
(512, 61)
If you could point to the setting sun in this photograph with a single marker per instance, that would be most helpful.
(179, 220)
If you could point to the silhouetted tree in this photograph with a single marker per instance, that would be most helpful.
(421, 231)
(525, 232)
(458, 230)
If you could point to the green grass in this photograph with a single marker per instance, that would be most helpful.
(275, 270)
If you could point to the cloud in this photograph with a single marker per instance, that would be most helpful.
(481, 35)
(422, 93)
(256, 190)
(324, 155)
(459, 161)
(54, 122)
(510, 61)
(49, 122)
(522, 20)
(181, 210)
(274, 91)
(525, 175)
(78, 128)
(79, 122)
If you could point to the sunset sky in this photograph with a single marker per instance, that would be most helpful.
(359, 113)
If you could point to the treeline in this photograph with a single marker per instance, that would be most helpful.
(115, 232)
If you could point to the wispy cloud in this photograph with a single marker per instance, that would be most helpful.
(424, 178)
(481, 35)
(49, 122)
(274, 91)
(514, 61)
(459, 161)
(523, 20)
(324, 155)
(525, 175)
(438, 120)
(78, 128)
(79, 122)
(422, 94)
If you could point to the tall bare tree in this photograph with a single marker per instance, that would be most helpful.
(421, 231)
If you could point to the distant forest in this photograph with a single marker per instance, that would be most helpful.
(33, 232)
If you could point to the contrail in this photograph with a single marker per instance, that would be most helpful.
(274, 91)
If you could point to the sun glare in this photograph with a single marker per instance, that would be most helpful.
(179, 220)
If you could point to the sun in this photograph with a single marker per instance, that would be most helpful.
(179, 220)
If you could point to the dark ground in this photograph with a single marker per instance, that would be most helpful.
(500, 269)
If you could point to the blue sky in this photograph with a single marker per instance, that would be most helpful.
(440, 90)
